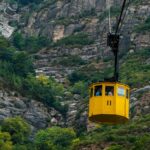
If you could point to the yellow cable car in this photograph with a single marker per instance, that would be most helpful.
(109, 102)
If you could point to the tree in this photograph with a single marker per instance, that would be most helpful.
(26, 2)
(17, 128)
(3, 43)
(5, 141)
(80, 88)
(55, 138)
(18, 41)
(22, 64)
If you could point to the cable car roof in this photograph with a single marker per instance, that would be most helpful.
(107, 82)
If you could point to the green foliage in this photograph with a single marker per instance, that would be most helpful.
(79, 29)
(115, 11)
(5, 141)
(87, 13)
(19, 147)
(73, 60)
(26, 146)
(3, 43)
(75, 40)
(87, 74)
(144, 27)
(22, 64)
(132, 135)
(31, 44)
(115, 147)
(64, 21)
(17, 72)
(14, 62)
(73, 19)
(44, 92)
(80, 88)
(17, 128)
(136, 2)
(142, 142)
(26, 2)
(55, 138)
(135, 71)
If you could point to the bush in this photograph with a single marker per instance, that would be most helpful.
(115, 11)
(17, 73)
(116, 147)
(144, 27)
(31, 44)
(5, 141)
(17, 128)
(74, 60)
(80, 88)
(78, 39)
(135, 71)
(87, 13)
(142, 142)
(55, 138)
(26, 2)
(87, 74)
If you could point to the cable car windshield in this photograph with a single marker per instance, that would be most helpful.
(98, 90)
(109, 90)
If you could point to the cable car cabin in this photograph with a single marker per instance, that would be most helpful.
(109, 102)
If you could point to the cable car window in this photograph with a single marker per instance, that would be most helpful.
(91, 92)
(109, 90)
(121, 91)
(127, 93)
(98, 90)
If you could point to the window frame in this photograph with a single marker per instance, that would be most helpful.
(106, 91)
(98, 86)
(91, 92)
(127, 93)
(124, 90)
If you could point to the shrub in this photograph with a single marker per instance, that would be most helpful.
(26, 2)
(55, 138)
(74, 60)
(78, 39)
(135, 71)
(80, 88)
(31, 44)
(87, 13)
(115, 147)
(17, 128)
(88, 74)
(142, 142)
(144, 27)
(5, 141)
(115, 11)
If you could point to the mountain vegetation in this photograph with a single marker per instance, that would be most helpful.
(56, 50)
(17, 73)
(133, 135)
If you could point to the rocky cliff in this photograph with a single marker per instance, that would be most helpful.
(35, 113)
(57, 20)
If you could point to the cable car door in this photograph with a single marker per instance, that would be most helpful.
(109, 100)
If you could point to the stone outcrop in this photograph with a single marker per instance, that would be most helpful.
(8, 14)
(95, 28)
(34, 112)
(59, 19)
(140, 104)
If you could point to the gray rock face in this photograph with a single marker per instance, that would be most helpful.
(34, 112)
(8, 14)
(61, 19)
(139, 102)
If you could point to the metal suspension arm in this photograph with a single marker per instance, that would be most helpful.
(113, 42)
